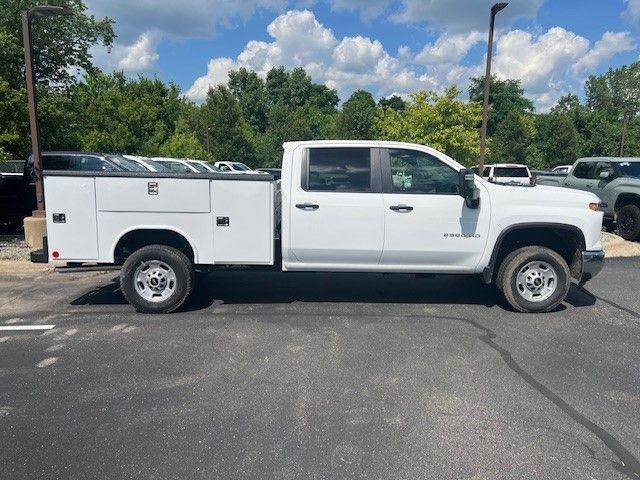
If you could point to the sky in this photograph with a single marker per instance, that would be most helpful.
(384, 46)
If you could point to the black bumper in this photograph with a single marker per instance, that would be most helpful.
(592, 263)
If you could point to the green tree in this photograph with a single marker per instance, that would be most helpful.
(558, 139)
(277, 85)
(355, 121)
(619, 90)
(393, 102)
(250, 91)
(115, 114)
(60, 44)
(229, 134)
(183, 145)
(13, 128)
(515, 140)
(443, 122)
(504, 96)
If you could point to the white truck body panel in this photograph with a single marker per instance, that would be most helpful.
(100, 210)
(75, 198)
(233, 219)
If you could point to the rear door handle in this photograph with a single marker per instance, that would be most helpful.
(401, 208)
(307, 206)
(589, 185)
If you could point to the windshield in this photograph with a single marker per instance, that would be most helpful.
(199, 167)
(629, 169)
(240, 166)
(177, 167)
(157, 165)
(126, 164)
(510, 172)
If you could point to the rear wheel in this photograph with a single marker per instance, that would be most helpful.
(157, 279)
(628, 221)
(534, 279)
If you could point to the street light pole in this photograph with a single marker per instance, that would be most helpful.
(487, 80)
(27, 16)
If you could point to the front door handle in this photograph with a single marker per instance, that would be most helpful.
(589, 185)
(401, 208)
(307, 206)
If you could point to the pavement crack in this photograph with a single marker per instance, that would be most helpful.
(628, 465)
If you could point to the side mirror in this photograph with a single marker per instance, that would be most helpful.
(467, 188)
(606, 175)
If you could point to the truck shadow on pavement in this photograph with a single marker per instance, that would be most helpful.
(251, 287)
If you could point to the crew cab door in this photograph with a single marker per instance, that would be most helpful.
(336, 211)
(581, 176)
(428, 226)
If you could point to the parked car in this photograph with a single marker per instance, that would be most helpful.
(235, 167)
(562, 169)
(616, 181)
(176, 165)
(275, 172)
(507, 173)
(147, 163)
(17, 190)
(342, 211)
(201, 166)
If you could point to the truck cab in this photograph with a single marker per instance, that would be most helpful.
(341, 206)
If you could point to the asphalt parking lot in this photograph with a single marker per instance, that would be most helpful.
(314, 376)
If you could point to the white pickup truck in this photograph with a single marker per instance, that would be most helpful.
(341, 206)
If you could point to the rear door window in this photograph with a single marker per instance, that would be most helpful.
(510, 172)
(584, 170)
(55, 162)
(339, 170)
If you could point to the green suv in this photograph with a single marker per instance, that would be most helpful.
(616, 181)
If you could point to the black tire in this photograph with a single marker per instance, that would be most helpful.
(628, 221)
(179, 264)
(507, 279)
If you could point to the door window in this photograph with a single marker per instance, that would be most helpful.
(584, 170)
(339, 170)
(419, 172)
(603, 167)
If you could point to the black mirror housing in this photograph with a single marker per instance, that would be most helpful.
(467, 187)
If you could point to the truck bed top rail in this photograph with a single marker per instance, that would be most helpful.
(208, 176)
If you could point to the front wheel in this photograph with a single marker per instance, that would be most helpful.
(628, 220)
(157, 279)
(534, 279)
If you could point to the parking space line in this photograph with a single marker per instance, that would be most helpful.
(26, 327)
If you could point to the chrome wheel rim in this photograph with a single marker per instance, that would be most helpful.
(155, 281)
(536, 281)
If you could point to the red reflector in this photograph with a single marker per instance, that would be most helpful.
(55, 254)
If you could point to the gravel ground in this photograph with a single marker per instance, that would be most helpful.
(13, 247)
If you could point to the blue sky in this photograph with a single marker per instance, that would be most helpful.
(384, 46)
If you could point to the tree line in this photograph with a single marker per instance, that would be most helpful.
(250, 117)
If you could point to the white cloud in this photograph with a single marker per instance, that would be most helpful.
(633, 10)
(358, 54)
(449, 48)
(140, 56)
(551, 64)
(179, 19)
(299, 40)
(604, 49)
(463, 15)
(540, 63)
(217, 74)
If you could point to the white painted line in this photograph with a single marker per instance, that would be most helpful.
(26, 327)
